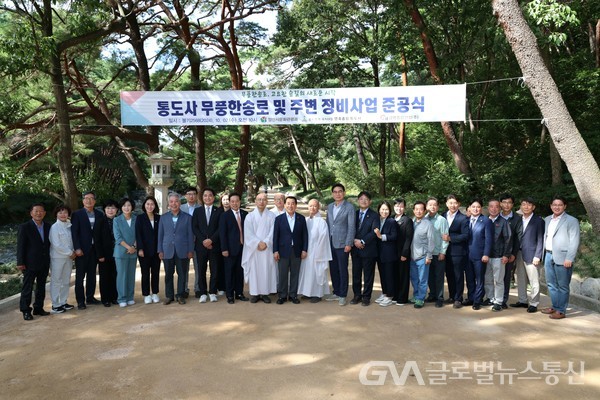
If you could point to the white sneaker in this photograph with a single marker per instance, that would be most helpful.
(221, 293)
(333, 297)
(386, 302)
(380, 298)
(122, 304)
(342, 301)
(147, 299)
(155, 298)
(213, 298)
(130, 302)
(202, 299)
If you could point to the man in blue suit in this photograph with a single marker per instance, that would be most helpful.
(481, 240)
(342, 225)
(231, 236)
(458, 249)
(175, 248)
(290, 243)
(531, 238)
(33, 259)
(561, 242)
(84, 228)
(364, 251)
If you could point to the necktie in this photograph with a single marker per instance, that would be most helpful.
(473, 221)
(239, 222)
(360, 218)
(40, 229)
(207, 214)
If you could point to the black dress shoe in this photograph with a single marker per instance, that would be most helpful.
(519, 304)
(266, 299)
(356, 300)
(295, 300)
(315, 299)
(167, 302)
(107, 304)
(430, 300)
(198, 294)
(487, 302)
(467, 303)
(504, 306)
(68, 306)
(115, 302)
(365, 302)
(254, 299)
(41, 312)
(439, 304)
(449, 301)
(280, 300)
(186, 294)
(241, 297)
(81, 306)
(93, 301)
(530, 309)
(476, 306)
(27, 316)
(230, 300)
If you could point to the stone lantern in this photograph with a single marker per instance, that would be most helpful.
(161, 179)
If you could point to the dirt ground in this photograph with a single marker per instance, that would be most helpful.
(305, 351)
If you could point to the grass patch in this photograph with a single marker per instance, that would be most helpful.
(9, 268)
(10, 287)
(587, 264)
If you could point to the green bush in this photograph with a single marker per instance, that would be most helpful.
(587, 264)
(10, 287)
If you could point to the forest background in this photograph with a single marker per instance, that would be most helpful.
(63, 63)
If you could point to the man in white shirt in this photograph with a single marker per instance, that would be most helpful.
(561, 241)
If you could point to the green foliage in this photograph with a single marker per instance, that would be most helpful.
(588, 258)
(10, 287)
(552, 16)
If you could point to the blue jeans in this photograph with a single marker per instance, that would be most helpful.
(558, 279)
(419, 274)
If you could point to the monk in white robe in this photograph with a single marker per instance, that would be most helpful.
(260, 270)
(314, 282)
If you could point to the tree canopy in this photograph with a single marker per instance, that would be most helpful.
(62, 65)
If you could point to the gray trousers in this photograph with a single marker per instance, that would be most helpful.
(289, 271)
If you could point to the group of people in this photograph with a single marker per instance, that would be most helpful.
(280, 251)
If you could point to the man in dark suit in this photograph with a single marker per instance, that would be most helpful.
(290, 243)
(175, 247)
(507, 201)
(205, 225)
(481, 240)
(231, 237)
(33, 259)
(364, 250)
(405, 236)
(83, 228)
(531, 238)
(458, 249)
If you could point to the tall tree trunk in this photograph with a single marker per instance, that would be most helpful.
(401, 129)
(383, 134)
(567, 139)
(359, 151)
(556, 165)
(309, 173)
(449, 134)
(65, 152)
